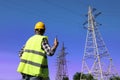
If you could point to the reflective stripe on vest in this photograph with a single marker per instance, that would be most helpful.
(34, 64)
(35, 52)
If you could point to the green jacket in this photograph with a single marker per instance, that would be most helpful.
(34, 60)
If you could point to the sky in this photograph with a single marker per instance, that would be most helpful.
(64, 19)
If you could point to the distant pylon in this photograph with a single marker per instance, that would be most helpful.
(96, 60)
(62, 72)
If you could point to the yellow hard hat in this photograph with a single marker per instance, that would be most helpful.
(39, 25)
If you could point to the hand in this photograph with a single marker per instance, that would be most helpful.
(56, 42)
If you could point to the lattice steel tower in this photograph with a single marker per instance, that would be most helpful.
(62, 72)
(96, 59)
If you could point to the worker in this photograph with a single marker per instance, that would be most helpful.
(33, 56)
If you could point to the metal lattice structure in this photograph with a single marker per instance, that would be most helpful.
(96, 59)
(62, 72)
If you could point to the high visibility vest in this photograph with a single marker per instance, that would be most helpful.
(34, 60)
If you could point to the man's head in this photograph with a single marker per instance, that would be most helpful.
(39, 28)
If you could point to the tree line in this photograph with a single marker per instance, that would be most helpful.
(77, 76)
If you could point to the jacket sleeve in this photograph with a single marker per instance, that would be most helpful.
(48, 49)
(21, 51)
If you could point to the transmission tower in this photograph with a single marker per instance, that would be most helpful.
(61, 65)
(96, 60)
